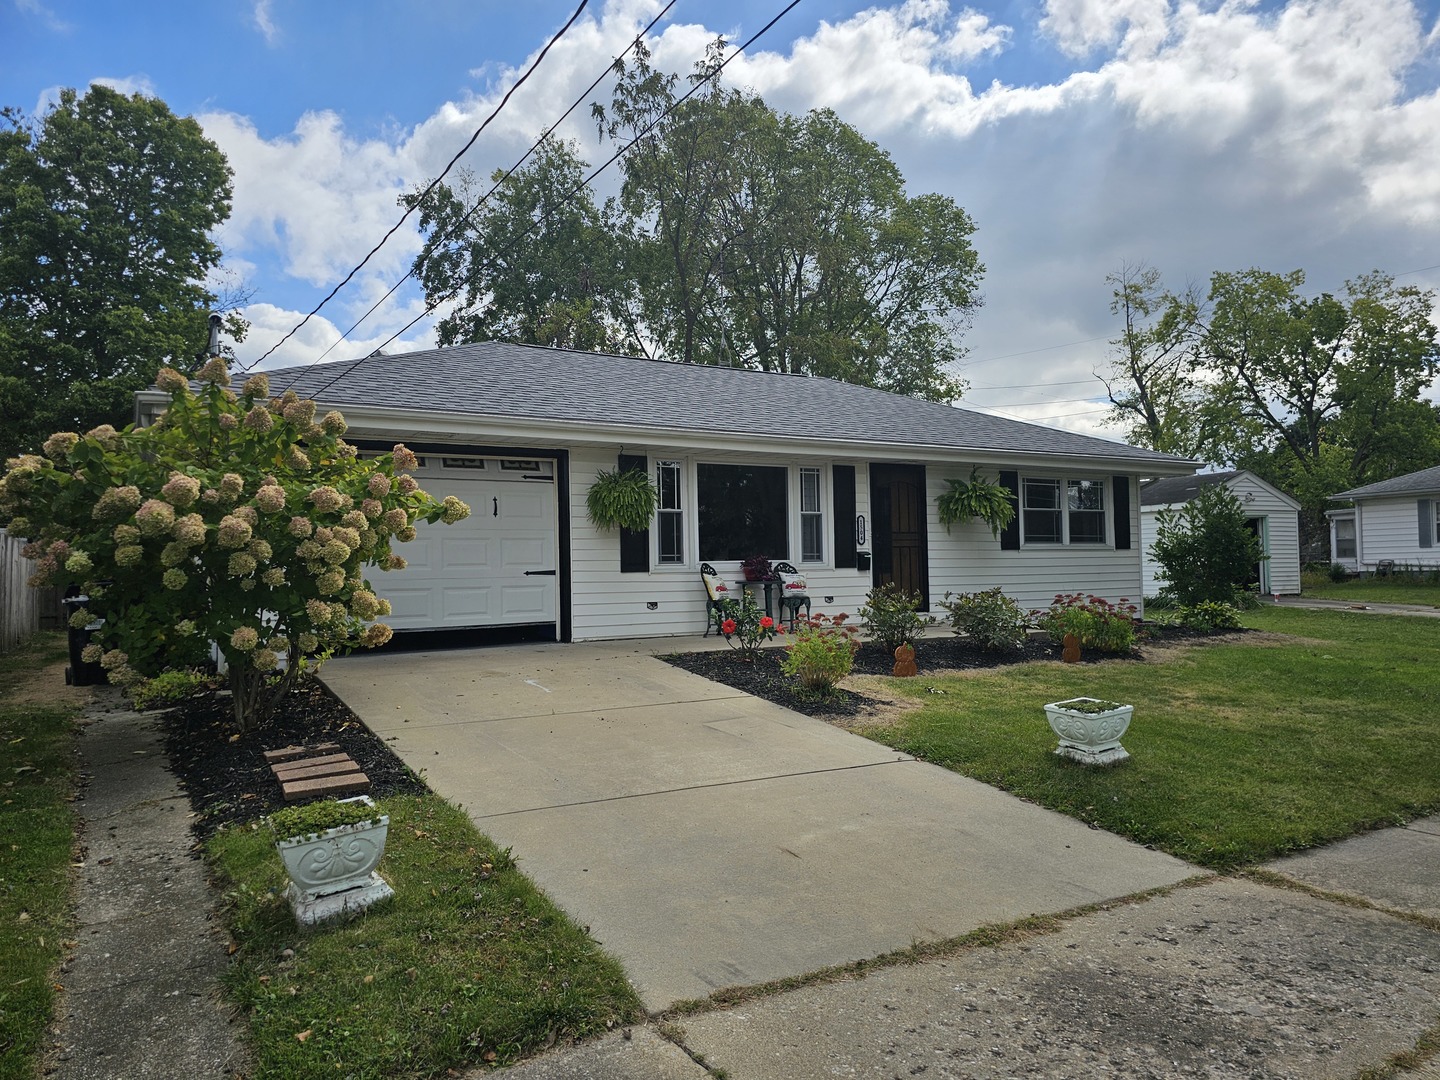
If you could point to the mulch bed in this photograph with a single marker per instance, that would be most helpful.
(225, 773)
(763, 676)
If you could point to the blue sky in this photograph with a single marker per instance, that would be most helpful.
(1080, 134)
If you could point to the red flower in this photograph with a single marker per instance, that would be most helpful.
(727, 627)
(766, 622)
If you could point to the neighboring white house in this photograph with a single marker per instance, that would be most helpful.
(840, 480)
(1392, 525)
(1273, 516)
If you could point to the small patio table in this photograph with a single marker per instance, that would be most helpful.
(768, 585)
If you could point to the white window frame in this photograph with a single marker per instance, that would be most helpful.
(1062, 485)
(678, 467)
(817, 514)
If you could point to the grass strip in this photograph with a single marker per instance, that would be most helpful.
(469, 963)
(1242, 750)
(1399, 589)
(37, 837)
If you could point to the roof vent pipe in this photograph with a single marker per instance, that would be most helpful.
(213, 348)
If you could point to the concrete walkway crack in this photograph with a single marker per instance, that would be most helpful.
(900, 759)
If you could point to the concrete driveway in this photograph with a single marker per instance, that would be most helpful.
(711, 839)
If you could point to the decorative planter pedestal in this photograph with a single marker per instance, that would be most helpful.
(1092, 738)
(332, 873)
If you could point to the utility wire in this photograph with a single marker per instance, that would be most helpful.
(433, 184)
(430, 307)
(454, 232)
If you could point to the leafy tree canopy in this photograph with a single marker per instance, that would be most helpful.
(741, 236)
(1314, 393)
(106, 208)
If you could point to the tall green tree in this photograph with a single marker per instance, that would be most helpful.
(786, 243)
(1315, 393)
(1152, 382)
(107, 203)
(534, 263)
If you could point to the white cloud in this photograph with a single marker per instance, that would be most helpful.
(265, 23)
(1197, 136)
(44, 13)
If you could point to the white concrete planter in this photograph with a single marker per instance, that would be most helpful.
(333, 872)
(1089, 737)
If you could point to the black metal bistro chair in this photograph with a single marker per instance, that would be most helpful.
(793, 592)
(716, 593)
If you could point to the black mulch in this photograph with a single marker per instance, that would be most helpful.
(763, 676)
(225, 773)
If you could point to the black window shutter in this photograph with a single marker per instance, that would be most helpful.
(1427, 522)
(842, 478)
(1010, 535)
(634, 544)
(1122, 512)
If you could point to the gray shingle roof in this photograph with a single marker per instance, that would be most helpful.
(1180, 489)
(1424, 482)
(495, 379)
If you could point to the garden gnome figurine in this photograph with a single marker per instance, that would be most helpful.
(905, 661)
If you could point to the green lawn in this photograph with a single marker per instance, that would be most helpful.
(37, 831)
(468, 964)
(1241, 751)
(1391, 590)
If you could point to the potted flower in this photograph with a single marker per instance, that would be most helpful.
(330, 850)
(757, 568)
(1089, 729)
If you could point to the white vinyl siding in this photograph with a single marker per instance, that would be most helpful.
(1389, 529)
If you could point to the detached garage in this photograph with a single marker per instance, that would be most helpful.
(1273, 516)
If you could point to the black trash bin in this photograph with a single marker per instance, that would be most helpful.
(81, 672)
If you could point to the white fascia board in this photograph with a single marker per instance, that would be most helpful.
(469, 428)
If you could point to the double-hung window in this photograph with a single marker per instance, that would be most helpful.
(1062, 511)
(669, 517)
(812, 517)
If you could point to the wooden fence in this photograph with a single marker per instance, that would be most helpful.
(23, 610)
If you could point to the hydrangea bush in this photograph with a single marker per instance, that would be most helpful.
(236, 518)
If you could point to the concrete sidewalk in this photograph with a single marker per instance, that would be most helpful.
(142, 995)
(710, 839)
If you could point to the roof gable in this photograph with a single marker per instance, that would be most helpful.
(605, 391)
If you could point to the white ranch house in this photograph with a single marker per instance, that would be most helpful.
(1273, 517)
(840, 480)
(1393, 525)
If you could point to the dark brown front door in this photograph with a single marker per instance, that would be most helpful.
(897, 511)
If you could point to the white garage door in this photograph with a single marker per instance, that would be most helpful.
(495, 568)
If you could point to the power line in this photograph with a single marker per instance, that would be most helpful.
(430, 307)
(1029, 352)
(405, 216)
(495, 186)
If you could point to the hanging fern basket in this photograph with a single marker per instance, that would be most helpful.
(621, 499)
(976, 498)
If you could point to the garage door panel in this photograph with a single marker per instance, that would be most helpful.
(525, 553)
(409, 607)
(526, 600)
(466, 606)
(528, 504)
(467, 553)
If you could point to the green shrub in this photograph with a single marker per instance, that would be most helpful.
(990, 619)
(1095, 621)
(316, 817)
(822, 653)
(892, 616)
(1209, 615)
(170, 687)
(1206, 550)
(1338, 573)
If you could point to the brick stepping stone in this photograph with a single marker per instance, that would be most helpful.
(305, 772)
